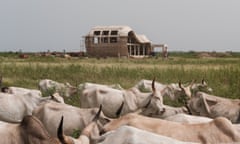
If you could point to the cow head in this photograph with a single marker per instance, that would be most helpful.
(201, 87)
(88, 132)
(56, 97)
(172, 91)
(186, 90)
(33, 132)
(193, 88)
(70, 90)
(155, 102)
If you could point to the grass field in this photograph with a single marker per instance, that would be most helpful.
(222, 72)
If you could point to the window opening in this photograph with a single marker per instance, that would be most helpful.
(95, 40)
(113, 39)
(105, 32)
(114, 32)
(97, 32)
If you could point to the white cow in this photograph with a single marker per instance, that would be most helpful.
(132, 135)
(167, 112)
(212, 106)
(20, 91)
(88, 133)
(112, 99)
(167, 90)
(87, 85)
(173, 91)
(186, 118)
(50, 86)
(29, 131)
(32, 131)
(219, 130)
(14, 107)
(74, 117)
(146, 85)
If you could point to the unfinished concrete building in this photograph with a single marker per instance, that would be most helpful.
(116, 41)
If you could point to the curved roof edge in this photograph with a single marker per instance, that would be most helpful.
(122, 31)
(142, 39)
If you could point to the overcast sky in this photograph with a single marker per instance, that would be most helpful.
(55, 25)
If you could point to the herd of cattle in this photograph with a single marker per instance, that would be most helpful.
(110, 114)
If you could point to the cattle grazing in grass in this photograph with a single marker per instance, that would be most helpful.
(14, 107)
(173, 91)
(74, 118)
(88, 134)
(204, 104)
(48, 86)
(186, 118)
(128, 134)
(112, 99)
(88, 85)
(31, 131)
(168, 111)
(219, 130)
(20, 90)
(212, 106)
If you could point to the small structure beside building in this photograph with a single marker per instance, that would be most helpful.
(116, 41)
(163, 49)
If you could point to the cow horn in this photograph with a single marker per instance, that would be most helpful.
(204, 82)
(60, 131)
(119, 110)
(153, 85)
(180, 84)
(98, 114)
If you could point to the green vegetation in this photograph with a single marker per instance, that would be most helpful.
(222, 73)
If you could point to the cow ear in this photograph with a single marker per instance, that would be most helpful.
(52, 97)
(193, 81)
(210, 102)
(107, 120)
(204, 82)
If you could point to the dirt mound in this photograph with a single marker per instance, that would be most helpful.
(214, 54)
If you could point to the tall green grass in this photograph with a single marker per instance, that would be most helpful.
(222, 74)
